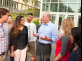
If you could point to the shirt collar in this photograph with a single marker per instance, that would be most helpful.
(47, 23)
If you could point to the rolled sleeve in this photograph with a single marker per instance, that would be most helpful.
(54, 34)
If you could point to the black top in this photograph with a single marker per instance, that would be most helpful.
(21, 40)
(75, 55)
(37, 29)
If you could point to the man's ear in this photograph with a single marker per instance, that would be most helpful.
(2, 16)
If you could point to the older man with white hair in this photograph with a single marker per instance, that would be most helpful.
(47, 34)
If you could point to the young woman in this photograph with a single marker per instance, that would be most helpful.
(19, 39)
(75, 48)
(64, 42)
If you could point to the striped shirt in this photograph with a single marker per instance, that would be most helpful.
(3, 40)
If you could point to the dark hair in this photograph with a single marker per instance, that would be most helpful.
(30, 14)
(76, 33)
(3, 11)
(9, 16)
(16, 25)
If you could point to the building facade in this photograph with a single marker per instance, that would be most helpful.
(61, 9)
(17, 4)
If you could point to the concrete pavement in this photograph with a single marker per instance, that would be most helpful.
(28, 58)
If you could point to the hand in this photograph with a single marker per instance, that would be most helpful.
(44, 38)
(35, 35)
(12, 54)
(5, 53)
(55, 59)
(27, 48)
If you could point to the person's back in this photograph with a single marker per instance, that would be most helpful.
(75, 48)
(75, 55)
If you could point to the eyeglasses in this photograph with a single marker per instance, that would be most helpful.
(30, 17)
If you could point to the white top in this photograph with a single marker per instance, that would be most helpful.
(31, 27)
(60, 32)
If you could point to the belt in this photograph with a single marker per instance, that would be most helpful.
(2, 54)
(44, 44)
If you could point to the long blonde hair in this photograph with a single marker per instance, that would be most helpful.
(67, 25)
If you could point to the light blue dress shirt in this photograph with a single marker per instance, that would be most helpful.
(50, 31)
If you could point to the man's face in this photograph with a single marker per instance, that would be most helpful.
(45, 18)
(42, 21)
(9, 19)
(29, 18)
(5, 17)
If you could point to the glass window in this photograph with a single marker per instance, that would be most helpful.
(61, 18)
(54, 7)
(54, 0)
(46, 0)
(0, 1)
(79, 21)
(53, 16)
(45, 7)
(72, 0)
(21, 6)
(72, 16)
(79, 0)
(72, 7)
(62, 7)
(79, 8)
(62, 0)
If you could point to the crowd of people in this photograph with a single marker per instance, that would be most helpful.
(21, 37)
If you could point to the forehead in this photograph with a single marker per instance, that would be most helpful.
(30, 15)
(10, 17)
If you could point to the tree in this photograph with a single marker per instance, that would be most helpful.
(33, 1)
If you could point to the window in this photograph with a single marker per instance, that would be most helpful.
(79, 21)
(62, 7)
(53, 16)
(79, 0)
(45, 7)
(79, 8)
(62, 0)
(72, 7)
(72, 16)
(72, 0)
(0, 2)
(61, 18)
(54, 0)
(46, 0)
(54, 7)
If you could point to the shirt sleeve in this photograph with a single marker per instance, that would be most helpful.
(11, 38)
(54, 34)
(35, 32)
(64, 44)
(27, 35)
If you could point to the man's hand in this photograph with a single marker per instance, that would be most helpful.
(27, 48)
(35, 35)
(44, 38)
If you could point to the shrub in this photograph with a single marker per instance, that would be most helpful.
(36, 22)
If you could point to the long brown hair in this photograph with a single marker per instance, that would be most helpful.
(16, 25)
(67, 24)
